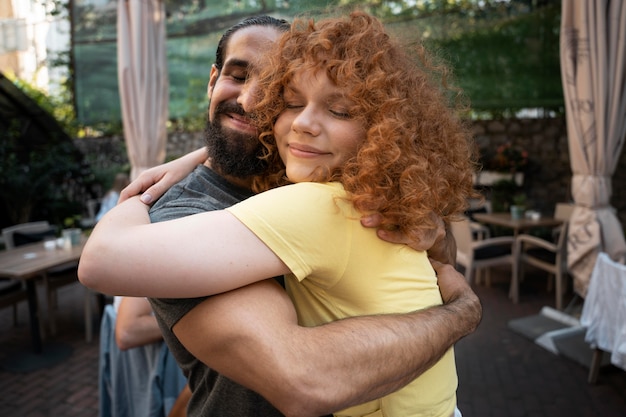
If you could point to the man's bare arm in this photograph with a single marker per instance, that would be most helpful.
(135, 324)
(251, 336)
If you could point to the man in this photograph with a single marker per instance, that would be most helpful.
(251, 335)
(138, 375)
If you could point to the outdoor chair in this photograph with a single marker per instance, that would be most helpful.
(12, 292)
(474, 255)
(549, 256)
(479, 231)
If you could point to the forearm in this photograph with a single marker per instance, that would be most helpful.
(128, 255)
(103, 259)
(320, 370)
(143, 331)
(135, 325)
(375, 356)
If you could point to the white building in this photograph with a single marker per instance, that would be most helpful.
(28, 37)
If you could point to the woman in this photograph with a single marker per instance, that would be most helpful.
(356, 127)
(110, 198)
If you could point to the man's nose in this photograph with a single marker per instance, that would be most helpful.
(247, 97)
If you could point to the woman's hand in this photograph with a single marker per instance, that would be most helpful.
(154, 182)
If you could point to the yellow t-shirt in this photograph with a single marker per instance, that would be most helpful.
(341, 269)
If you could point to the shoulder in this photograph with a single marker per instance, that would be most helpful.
(301, 198)
(303, 205)
(305, 193)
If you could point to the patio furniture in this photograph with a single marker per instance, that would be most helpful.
(604, 314)
(53, 278)
(56, 267)
(476, 254)
(12, 292)
(549, 256)
(517, 225)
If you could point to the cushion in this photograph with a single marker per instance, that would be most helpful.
(24, 238)
(8, 286)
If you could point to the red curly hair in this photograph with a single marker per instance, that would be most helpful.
(417, 157)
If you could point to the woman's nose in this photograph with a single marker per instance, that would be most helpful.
(307, 121)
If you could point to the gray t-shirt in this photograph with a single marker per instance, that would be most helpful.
(213, 395)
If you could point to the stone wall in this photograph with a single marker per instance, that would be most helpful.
(548, 177)
(546, 181)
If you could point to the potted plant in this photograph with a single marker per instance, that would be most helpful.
(518, 206)
(71, 233)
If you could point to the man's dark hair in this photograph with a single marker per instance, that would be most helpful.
(279, 24)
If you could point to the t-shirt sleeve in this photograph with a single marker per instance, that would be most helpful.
(307, 225)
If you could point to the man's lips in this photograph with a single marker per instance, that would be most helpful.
(240, 122)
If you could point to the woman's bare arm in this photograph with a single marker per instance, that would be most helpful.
(202, 254)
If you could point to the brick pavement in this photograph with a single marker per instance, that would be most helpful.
(504, 374)
(500, 373)
(69, 389)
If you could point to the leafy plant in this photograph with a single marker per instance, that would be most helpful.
(502, 193)
(519, 200)
(508, 158)
(42, 174)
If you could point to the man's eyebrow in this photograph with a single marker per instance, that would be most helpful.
(236, 62)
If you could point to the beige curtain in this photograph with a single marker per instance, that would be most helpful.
(143, 81)
(593, 69)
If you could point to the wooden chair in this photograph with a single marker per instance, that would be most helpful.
(549, 256)
(36, 228)
(12, 292)
(476, 254)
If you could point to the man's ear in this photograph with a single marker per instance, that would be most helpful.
(215, 73)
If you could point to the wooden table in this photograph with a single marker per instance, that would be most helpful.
(505, 220)
(29, 262)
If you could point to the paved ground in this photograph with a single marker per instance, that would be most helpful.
(501, 373)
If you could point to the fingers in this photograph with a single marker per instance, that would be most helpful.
(147, 184)
(131, 190)
(419, 240)
(154, 182)
(444, 249)
(371, 220)
(394, 236)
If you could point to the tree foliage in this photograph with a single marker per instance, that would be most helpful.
(504, 52)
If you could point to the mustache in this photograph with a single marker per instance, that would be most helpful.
(233, 108)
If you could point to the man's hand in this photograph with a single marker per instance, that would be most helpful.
(439, 242)
(154, 182)
(444, 248)
(456, 292)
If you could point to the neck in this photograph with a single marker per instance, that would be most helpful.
(240, 182)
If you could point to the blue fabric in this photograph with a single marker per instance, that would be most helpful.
(139, 382)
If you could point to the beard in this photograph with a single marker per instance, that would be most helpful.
(232, 153)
